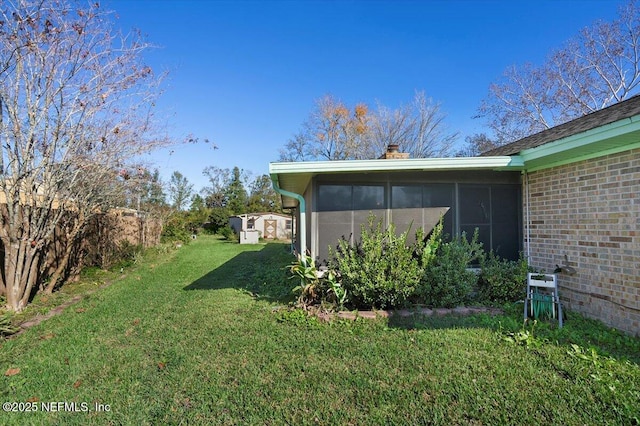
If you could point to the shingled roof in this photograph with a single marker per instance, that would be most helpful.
(610, 114)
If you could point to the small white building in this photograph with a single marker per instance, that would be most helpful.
(253, 226)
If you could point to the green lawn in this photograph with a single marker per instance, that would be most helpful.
(196, 338)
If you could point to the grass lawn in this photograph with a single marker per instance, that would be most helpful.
(195, 337)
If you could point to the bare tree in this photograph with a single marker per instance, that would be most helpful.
(475, 145)
(598, 67)
(75, 108)
(336, 132)
(418, 128)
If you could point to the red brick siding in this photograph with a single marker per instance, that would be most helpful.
(590, 212)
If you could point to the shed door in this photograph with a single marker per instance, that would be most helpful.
(270, 227)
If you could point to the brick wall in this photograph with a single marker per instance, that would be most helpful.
(590, 212)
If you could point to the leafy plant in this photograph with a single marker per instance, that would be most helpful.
(524, 337)
(309, 291)
(448, 281)
(502, 280)
(6, 327)
(176, 229)
(382, 270)
(336, 292)
(126, 254)
(228, 233)
(316, 287)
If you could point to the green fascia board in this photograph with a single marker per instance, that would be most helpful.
(623, 135)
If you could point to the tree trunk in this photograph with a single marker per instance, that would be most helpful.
(62, 266)
(31, 279)
(71, 241)
(3, 287)
(21, 274)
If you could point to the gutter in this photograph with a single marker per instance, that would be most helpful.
(504, 162)
(301, 208)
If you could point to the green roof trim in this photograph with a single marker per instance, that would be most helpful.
(622, 135)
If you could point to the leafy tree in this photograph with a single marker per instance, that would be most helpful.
(180, 190)
(214, 193)
(262, 196)
(219, 218)
(152, 191)
(198, 214)
(334, 131)
(75, 102)
(235, 194)
(227, 195)
(598, 67)
(197, 203)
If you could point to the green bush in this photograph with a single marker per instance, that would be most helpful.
(502, 280)
(228, 233)
(176, 228)
(382, 270)
(218, 219)
(448, 281)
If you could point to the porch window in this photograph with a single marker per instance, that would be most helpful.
(495, 211)
(342, 209)
(421, 206)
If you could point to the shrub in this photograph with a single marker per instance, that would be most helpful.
(448, 281)
(218, 219)
(176, 229)
(228, 233)
(381, 270)
(502, 280)
(128, 252)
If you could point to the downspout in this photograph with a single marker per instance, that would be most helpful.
(301, 208)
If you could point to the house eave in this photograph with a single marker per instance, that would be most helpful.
(381, 165)
(295, 177)
(622, 135)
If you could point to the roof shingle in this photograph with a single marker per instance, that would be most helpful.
(619, 111)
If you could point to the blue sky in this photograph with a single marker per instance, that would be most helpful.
(245, 74)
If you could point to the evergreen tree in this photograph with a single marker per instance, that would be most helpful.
(235, 193)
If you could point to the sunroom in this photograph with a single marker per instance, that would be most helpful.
(333, 199)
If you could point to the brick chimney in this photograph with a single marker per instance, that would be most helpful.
(393, 153)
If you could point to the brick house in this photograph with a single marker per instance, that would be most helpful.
(581, 185)
(568, 196)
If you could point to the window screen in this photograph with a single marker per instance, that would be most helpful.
(440, 195)
(342, 209)
(406, 197)
(334, 198)
(368, 197)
